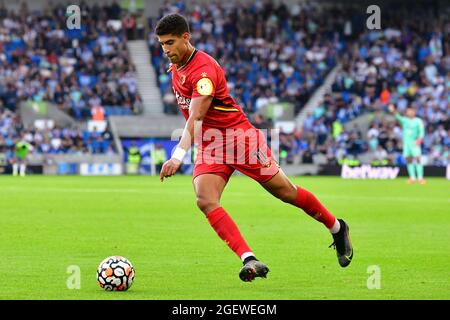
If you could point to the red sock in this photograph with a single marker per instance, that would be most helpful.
(228, 231)
(312, 206)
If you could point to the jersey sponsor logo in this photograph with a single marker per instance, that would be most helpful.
(182, 101)
(205, 86)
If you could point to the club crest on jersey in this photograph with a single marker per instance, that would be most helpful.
(182, 79)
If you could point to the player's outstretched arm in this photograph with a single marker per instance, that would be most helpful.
(393, 110)
(197, 111)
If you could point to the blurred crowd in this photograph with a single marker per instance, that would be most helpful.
(405, 63)
(283, 55)
(48, 141)
(270, 52)
(86, 72)
(42, 59)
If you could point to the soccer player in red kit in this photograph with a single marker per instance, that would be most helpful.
(219, 127)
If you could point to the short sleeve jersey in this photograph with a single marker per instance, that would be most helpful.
(201, 75)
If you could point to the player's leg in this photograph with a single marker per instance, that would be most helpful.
(417, 155)
(208, 188)
(284, 189)
(419, 169)
(15, 167)
(410, 167)
(22, 167)
(411, 170)
(265, 170)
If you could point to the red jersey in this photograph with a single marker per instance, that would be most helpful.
(202, 75)
(245, 149)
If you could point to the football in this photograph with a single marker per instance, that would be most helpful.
(115, 273)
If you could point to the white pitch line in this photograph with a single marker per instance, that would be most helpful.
(75, 190)
(149, 190)
(378, 199)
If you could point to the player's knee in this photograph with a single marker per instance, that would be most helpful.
(206, 205)
(287, 195)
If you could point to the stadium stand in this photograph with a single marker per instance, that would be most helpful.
(285, 54)
(75, 69)
(86, 73)
(406, 63)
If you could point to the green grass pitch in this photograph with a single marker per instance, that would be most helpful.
(51, 223)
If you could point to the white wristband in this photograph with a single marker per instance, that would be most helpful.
(179, 154)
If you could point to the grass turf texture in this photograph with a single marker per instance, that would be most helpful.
(50, 223)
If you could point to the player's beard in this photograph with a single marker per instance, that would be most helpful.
(180, 59)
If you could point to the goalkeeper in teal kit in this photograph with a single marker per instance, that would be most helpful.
(413, 133)
(22, 148)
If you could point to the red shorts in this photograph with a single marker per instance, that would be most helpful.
(246, 151)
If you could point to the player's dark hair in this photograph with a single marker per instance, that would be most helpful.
(174, 24)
